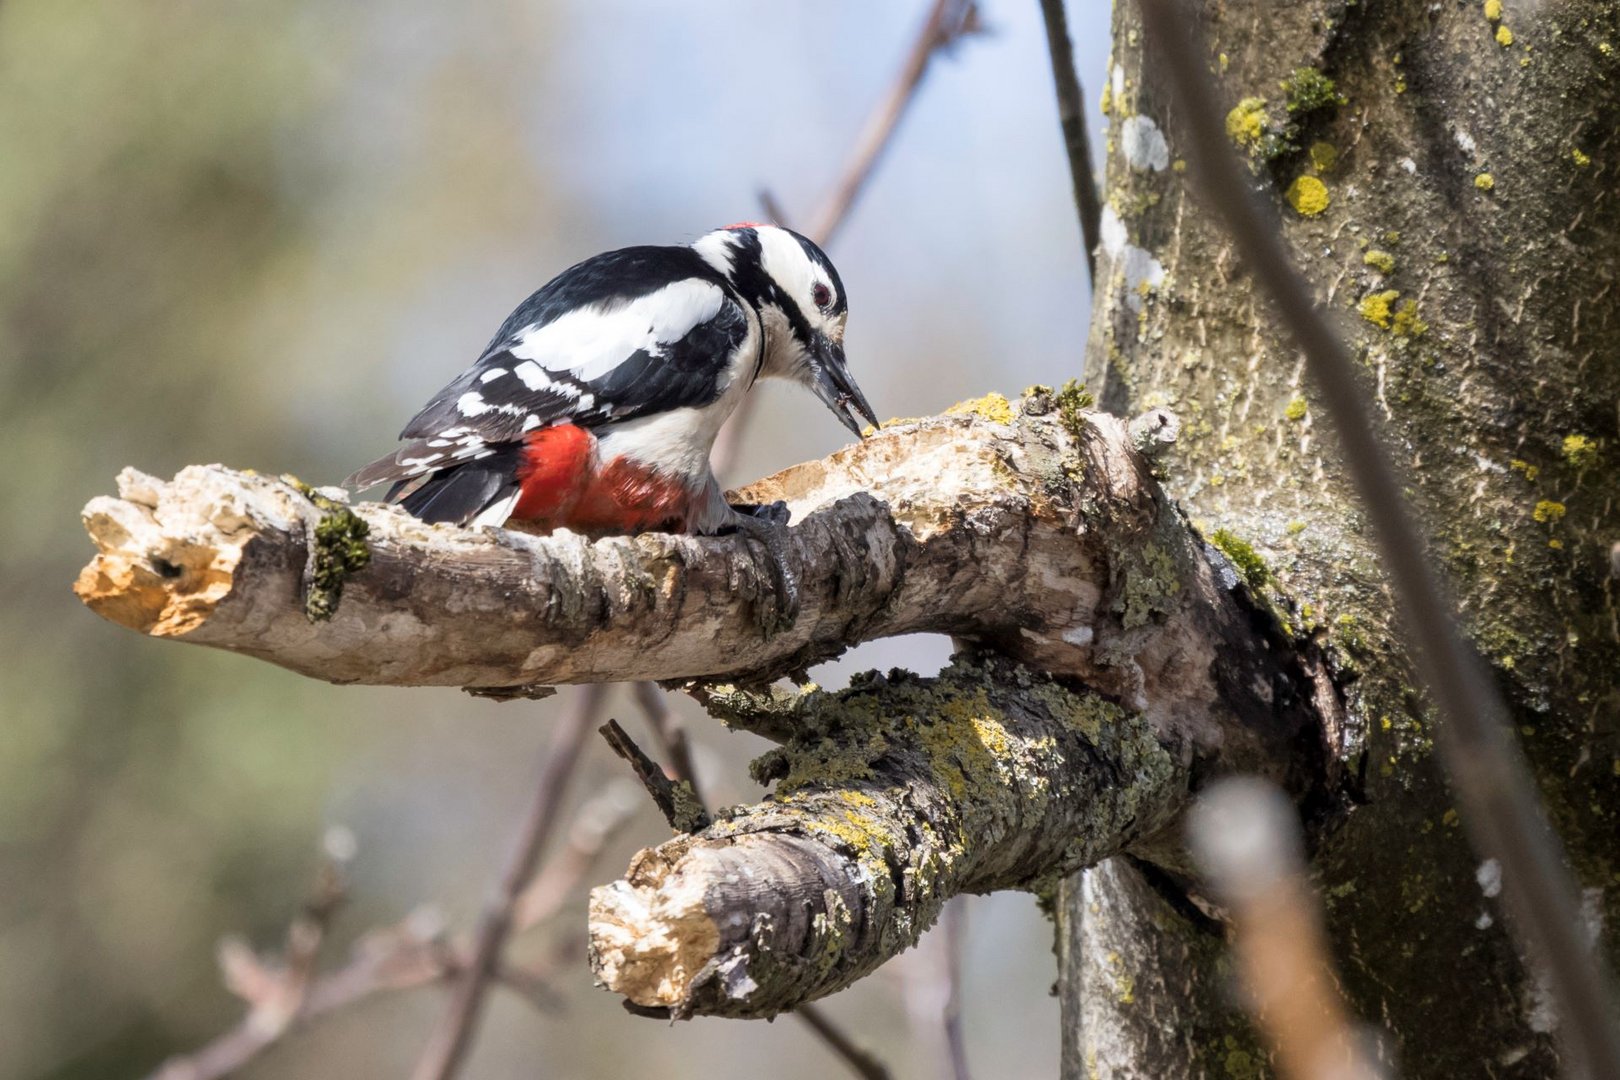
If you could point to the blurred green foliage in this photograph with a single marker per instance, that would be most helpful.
(147, 795)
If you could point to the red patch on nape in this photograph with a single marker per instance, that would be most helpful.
(745, 225)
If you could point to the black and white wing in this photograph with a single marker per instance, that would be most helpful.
(622, 335)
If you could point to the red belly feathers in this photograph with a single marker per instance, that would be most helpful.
(562, 484)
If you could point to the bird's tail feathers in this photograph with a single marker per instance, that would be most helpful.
(477, 491)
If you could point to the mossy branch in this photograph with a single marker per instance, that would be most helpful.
(1033, 530)
(891, 797)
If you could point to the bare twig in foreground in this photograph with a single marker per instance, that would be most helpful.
(1245, 836)
(1076, 141)
(450, 1042)
(1501, 810)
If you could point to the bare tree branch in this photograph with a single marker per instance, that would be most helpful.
(675, 799)
(453, 1038)
(413, 953)
(1501, 809)
(947, 22)
(1035, 530)
(891, 798)
(1055, 546)
(1076, 141)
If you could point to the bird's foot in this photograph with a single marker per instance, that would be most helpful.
(777, 513)
(767, 523)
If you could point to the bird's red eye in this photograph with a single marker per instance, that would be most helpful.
(821, 295)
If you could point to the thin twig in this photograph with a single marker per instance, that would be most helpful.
(597, 822)
(1501, 810)
(277, 992)
(670, 734)
(448, 1045)
(858, 1058)
(955, 927)
(930, 985)
(1076, 141)
(674, 798)
(413, 953)
(948, 21)
(1246, 837)
(773, 209)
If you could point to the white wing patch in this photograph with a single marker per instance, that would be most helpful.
(592, 341)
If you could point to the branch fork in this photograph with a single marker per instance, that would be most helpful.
(1035, 535)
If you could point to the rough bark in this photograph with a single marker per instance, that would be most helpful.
(1053, 546)
(1453, 194)
(890, 798)
(1034, 531)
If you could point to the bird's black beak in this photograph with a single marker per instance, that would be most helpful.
(833, 385)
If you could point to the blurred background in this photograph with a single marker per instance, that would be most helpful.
(263, 233)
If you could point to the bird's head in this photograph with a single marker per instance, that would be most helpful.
(800, 300)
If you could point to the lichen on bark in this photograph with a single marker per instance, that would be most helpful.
(891, 797)
(1481, 317)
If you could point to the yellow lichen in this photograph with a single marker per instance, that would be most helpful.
(993, 407)
(1246, 123)
(1308, 196)
(1296, 410)
(1504, 36)
(1579, 451)
(1493, 10)
(1581, 160)
(1378, 308)
(1382, 261)
(1485, 181)
(1530, 471)
(1406, 323)
(1548, 512)
(1323, 155)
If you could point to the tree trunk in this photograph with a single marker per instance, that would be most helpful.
(1446, 176)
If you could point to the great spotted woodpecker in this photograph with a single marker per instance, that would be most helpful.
(595, 406)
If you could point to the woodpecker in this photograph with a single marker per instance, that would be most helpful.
(595, 406)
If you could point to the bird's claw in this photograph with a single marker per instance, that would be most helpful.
(777, 513)
(767, 523)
